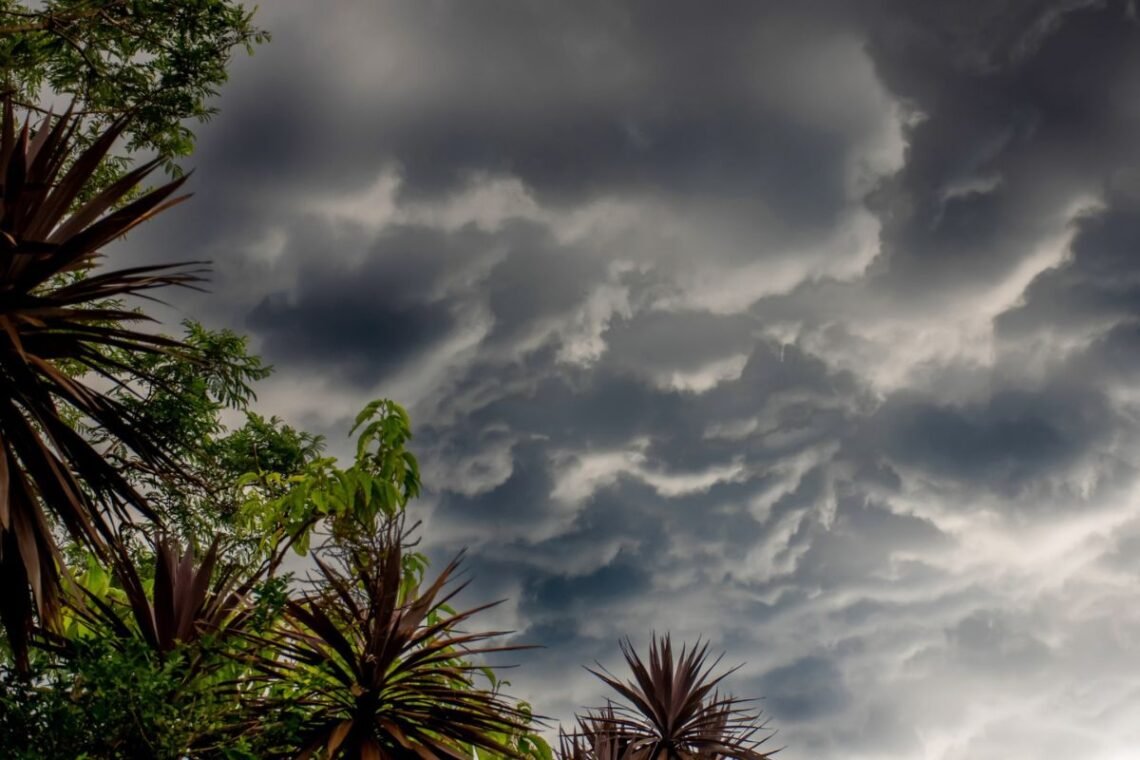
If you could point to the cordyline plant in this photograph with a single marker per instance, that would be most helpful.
(595, 738)
(673, 713)
(178, 637)
(385, 670)
(185, 604)
(60, 319)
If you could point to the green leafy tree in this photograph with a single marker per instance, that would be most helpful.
(223, 469)
(153, 63)
(111, 701)
(378, 485)
(142, 669)
(132, 72)
(229, 662)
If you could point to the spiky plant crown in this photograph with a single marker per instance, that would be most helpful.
(594, 739)
(186, 601)
(671, 710)
(387, 671)
(62, 321)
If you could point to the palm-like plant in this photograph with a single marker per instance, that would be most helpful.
(595, 739)
(673, 713)
(385, 672)
(155, 661)
(185, 603)
(59, 321)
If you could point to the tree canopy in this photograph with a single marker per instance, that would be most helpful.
(155, 64)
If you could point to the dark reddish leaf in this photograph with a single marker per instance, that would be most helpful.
(52, 475)
(671, 711)
(382, 679)
(185, 603)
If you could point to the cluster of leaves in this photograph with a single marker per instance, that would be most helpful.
(212, 659)
(110, 701)
(382, 667)
(671, 711)
(224, 472)
(153, 62)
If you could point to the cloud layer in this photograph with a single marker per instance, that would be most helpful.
(808, 328)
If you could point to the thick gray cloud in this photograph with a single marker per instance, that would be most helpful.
(809, 329)
(1015, 439)
(807, 689)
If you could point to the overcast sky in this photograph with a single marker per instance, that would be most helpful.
(812, 329)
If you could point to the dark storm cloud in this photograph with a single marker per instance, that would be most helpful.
(1115, 355)
(368, 338)
(823, 479)
(586, 408)
(605, 407)
(808, 404)
(600, 409)
(576, 101)
(1023, 107)
(806, 689)
(407, 292)
(621, 579)
(626, 513)
(858, 543)
(663, 527)
(1007, 443)
(529, 484)
(677, 340)
(537, 279)
(1096, 285)
(996, 640)
(347, 314)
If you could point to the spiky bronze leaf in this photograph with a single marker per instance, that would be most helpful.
(52, 316)
(595, 739)
(671, 711)
(386, 676)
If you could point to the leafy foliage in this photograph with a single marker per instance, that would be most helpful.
(223, 469)
(382, 479)
(141, 668)
(112, 701)
(595, 739)
(257, 668)
(151, 63)
(185, 603)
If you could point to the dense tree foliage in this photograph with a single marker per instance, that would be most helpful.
(217, 653)
(153, 63)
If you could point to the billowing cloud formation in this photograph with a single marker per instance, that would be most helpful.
(811, 329)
